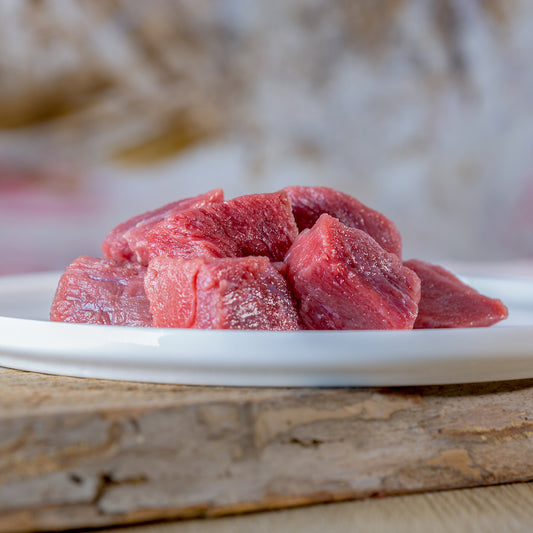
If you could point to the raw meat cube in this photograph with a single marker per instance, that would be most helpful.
(102, 291)
(308, 203)
(343, 279)
(128, 240)
(447, 302)
(256, 224)
(227, 293)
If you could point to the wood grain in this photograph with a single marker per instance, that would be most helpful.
(80, 453)
(492, 509)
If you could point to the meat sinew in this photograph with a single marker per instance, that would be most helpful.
(227, 293)
(102, 291)
(308, 203)
(128, 240)
(447, 302)
(343, 279)
(256, 224)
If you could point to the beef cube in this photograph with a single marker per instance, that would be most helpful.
(343, 279)
(102, 291)
(227, 293)
(308, 203)
(128, 240)
(256, 224)
(447, 302)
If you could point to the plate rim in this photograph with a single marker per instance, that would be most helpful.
(117, 348)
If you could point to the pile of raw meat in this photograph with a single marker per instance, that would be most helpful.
(301, 258)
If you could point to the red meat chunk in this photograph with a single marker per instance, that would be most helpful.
(343, 279)
(446, 302)
(308, 203)
(128, 240)
(227, 293)
(102, 291)
(256, 224)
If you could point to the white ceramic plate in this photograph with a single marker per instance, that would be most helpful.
(28, 341)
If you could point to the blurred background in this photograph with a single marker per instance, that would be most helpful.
(419, 108)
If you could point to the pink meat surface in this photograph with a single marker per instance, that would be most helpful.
(227, 293)
(446, 302)
(128, 240)
(343, 279)
(256, 224)
(102, 291)
(308, 203)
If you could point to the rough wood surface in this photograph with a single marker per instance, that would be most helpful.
(79, 453)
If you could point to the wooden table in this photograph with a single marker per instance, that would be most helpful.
(90, 453)
(497, 509)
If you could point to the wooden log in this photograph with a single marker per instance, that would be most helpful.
(85, 453)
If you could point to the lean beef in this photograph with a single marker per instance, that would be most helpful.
(128, 240)
(446, 302)
(102, 291)
(256, 224)
(227, 293)
(300, 258)
(308, 203)
(343, 279)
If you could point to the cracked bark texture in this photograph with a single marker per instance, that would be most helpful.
(84, 453)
